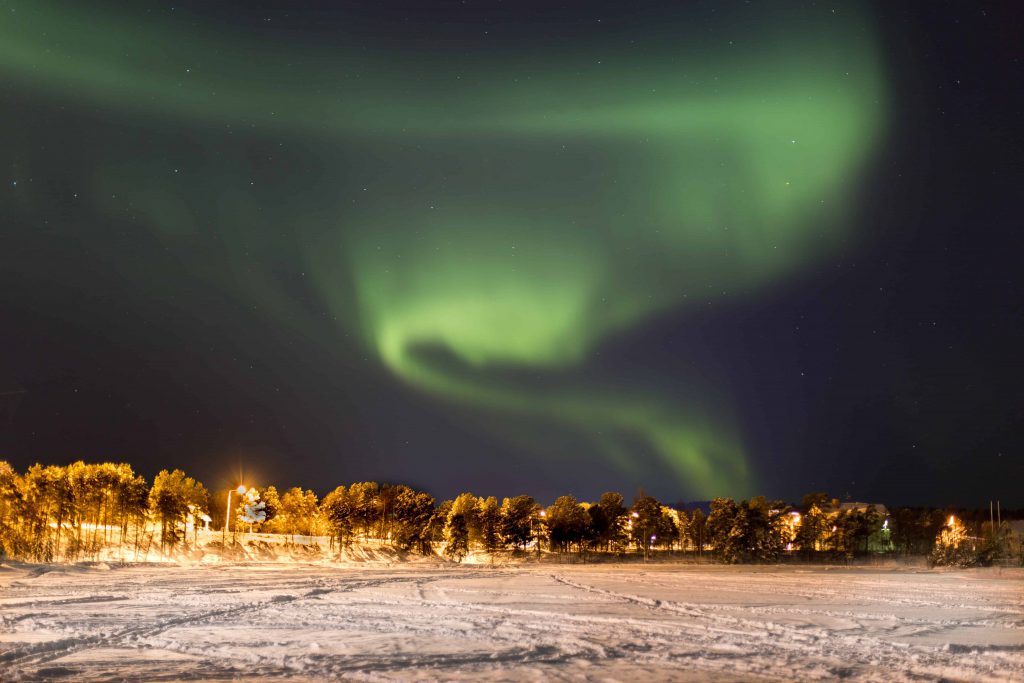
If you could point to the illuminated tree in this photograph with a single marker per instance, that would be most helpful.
(567, 522)
(251, 509)
(822, 501)
(517, 517)
(456, 535)
(606, 520)
(651, 524)
(955, 548)
(10, 533)
(489, 514)
(271, 504)
(413, 511)
(297, 513)
(466, 505)
(169, 501)
(697, 529)
(133, 505)
(384, 508)
(365, 505)
(765, 533)
(854, 529)
(338, 511)
(439, 520)
(49, 503)
(813, 530)
(682, 521)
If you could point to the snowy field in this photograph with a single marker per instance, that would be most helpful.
(431, 621)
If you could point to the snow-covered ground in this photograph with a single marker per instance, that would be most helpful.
(434, 621)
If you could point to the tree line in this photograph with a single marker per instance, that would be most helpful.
(73, 512)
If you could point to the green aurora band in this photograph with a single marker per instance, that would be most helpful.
(538, 205)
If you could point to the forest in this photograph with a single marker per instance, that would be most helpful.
(74, 512)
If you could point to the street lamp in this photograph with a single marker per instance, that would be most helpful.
(536, 535)
(227, 513)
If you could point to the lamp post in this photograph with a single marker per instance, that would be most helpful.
(227, 514)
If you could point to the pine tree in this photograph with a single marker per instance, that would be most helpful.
(607, 516)
(489, 514)
(297, 513)
(456, 536)
(720, 525)
(651, 524)
(567, 523)
(366, 507)
(697, 530)
(813, 530)
(467, 505)
(518, 515)
(271, 505)
(169, 501)
(338, 510)
(413, 511)
(10, 533)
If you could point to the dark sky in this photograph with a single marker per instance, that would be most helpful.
(705, 248)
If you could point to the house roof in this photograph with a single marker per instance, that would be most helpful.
(863, 507)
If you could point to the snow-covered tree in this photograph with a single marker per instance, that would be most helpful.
(252, 510)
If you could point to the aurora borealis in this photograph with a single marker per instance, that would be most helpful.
(452, 241)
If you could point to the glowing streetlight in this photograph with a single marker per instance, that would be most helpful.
(227, 513)
(636, 515)
(543, 515)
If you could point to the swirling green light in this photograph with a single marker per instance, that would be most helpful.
(532, 218)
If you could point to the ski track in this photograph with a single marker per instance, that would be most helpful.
(437, 622)
(859, 652)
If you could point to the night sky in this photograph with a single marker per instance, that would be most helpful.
(704, 248)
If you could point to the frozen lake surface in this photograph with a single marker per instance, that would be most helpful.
(543, 622)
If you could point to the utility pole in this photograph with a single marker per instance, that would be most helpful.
(227, 516)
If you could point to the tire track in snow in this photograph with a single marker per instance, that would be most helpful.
(868, 590)
(861, 652)
(378, 615)
(18, 660)
(501, 624)
(823, 597)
